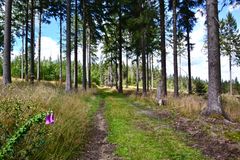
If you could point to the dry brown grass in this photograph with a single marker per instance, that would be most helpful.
(188, 105)
(191, 106)
(231, 105)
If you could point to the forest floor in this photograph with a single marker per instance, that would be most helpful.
(132, 128)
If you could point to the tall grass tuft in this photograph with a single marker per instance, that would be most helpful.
(62, 140)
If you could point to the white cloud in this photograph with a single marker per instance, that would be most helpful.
(234, 7)
(49, 48)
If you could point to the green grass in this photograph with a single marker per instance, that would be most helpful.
(139, 137)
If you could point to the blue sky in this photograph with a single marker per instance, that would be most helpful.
(50, 47)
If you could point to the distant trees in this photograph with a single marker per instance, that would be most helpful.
(186, 22)
(230, 42)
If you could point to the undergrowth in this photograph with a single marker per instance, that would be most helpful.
(20, 103)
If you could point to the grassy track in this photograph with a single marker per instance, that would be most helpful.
(139, 137)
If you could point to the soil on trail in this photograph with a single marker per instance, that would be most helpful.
(98, 148)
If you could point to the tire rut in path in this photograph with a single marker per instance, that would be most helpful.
(98, 147)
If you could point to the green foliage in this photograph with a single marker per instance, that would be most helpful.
(200, 87)
(225, 86)
(8, 147)
(230, 38)
(233, 135)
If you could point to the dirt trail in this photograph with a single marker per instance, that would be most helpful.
(98, 148)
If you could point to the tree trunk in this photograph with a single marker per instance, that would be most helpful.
(68, 47)
(89, 62)
(84, 80)
(39, 46)
(111, 72)
(116, 75)
(32, 45)
(137, 73)
(76, 48)
(60, 76)
(126, 70)
(147, 71)
(7, 43)
(120, 88)
(26, 42)
(189, 63)
(22, 58)
(152, 73)
(144, 85)
(163, 48)
(230, 72)
(214, 74)
(176, 93)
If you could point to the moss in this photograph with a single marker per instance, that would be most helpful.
(233, 135)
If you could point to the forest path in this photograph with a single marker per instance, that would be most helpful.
(98, 148)
(142, 131)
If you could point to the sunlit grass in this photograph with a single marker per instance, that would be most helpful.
(140, 137)
(63, 140)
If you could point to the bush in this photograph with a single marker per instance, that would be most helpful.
(200, 87)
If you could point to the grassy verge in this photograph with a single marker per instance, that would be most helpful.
(63, 140)
(139, 137)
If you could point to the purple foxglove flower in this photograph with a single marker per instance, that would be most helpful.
(49, 118)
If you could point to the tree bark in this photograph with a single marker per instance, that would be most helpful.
(230, 73)
(176, 93)
(26, 42)
(126, 70)
(144, 85)
(147, 71)
(189, 63)
(76, 48)
(152, 73)
(137, 73)
(89, 62)
(60, 76)
(68, 47)
(116, 75)
(39, 46)
(32, 45)
(22, 57)
(163, 48)
(120, 87)
(84, 80)
(111, 72)
(7, 43)
(214, 74)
